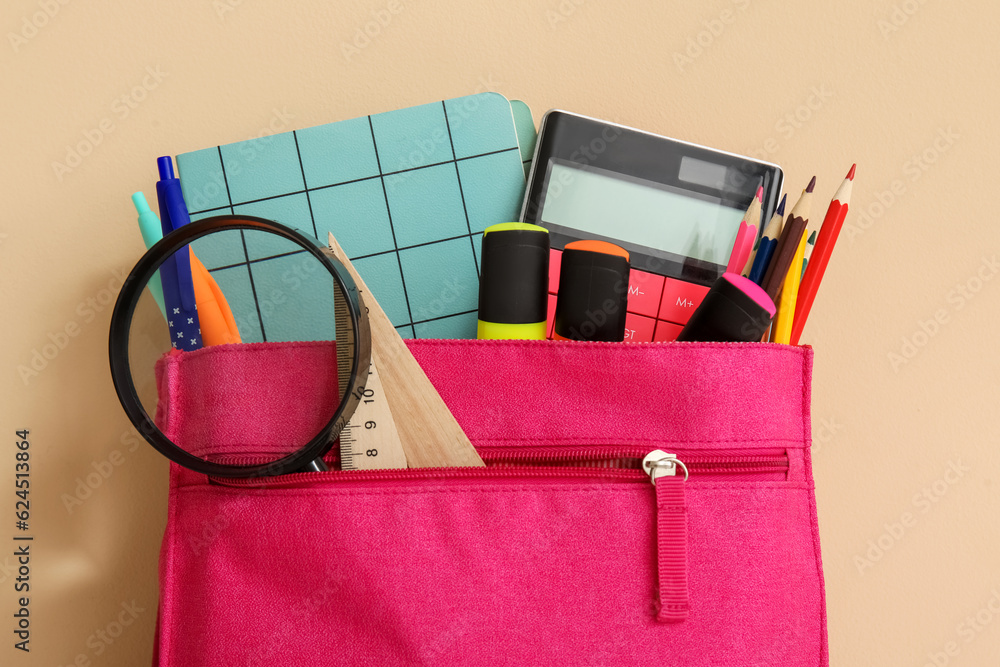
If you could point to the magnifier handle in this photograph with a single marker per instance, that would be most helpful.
(316, 466)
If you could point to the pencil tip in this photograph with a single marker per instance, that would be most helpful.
(760, 193)
(850, 174)
(781, 206)
(812, 239)
(812, 184)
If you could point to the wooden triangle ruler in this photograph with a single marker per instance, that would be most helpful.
(427, 433)
(369, 440)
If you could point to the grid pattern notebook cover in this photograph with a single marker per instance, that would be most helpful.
(407, 193)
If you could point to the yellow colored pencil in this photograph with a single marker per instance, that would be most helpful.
(789, 293)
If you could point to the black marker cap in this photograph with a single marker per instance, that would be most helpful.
(513, 287)
(736, 309)
(593, 292)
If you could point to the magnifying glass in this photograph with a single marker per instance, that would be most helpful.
(234, 281)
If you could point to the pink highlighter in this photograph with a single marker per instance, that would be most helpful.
(736, 309)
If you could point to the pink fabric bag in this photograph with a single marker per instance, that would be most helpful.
(560, 552)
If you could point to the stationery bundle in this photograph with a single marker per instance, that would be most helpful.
(513, 501)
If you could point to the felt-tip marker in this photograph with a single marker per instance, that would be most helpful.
(513, 291)
(593, 292)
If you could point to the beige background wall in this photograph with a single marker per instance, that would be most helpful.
(906, 455)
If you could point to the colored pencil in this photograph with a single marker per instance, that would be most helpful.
(812, 230)
(742, 235)
(782, 330)
(795, 227)
(746, 234)
(742, 247)
(757, 237)
(828, 234)
(768, 241)
(810, 244)
(749, 265)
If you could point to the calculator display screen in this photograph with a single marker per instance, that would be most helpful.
(655, 216)
(674, 206)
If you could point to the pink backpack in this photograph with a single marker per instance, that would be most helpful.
(561, 552)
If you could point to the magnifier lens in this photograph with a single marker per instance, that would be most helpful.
(251, 357)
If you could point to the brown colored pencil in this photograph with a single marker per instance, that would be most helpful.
(795, 227)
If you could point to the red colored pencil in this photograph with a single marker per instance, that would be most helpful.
(828, 234)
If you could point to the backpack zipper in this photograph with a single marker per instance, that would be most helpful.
(602, 462)
(612, 464)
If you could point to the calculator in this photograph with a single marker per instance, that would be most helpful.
(674, 206)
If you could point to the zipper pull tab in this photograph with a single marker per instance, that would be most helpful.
(659, 463)
(671, 534)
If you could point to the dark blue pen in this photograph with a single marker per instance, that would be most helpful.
(175, 272)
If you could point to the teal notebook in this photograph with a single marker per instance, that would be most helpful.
(407, 193)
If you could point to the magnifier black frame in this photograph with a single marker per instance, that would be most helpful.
(121, 322)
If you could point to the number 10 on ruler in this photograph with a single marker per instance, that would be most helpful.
(370, 439)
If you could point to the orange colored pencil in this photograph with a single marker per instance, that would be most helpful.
(828, 234)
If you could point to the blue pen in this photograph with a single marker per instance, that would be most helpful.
(175, 272)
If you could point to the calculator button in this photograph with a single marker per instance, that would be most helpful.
(666, 331)
(680, 300)
(555, 262)
(638, 329)
(644, 290)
